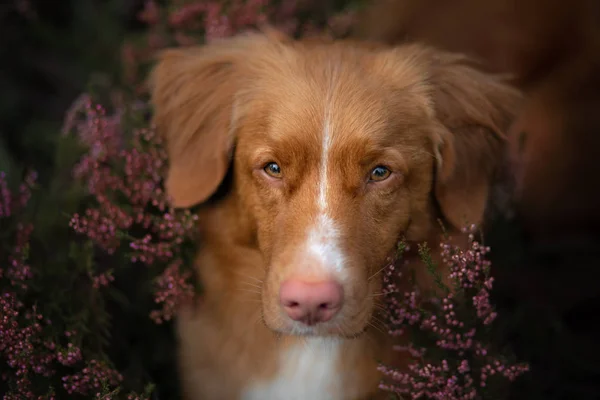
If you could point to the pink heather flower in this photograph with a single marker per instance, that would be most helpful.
(18, 270)
(126, 183)
(94, 377)
(69, 356)
(172, 290)
(24, 344)
(21, 328)
(102, 279)
(192, 22)
(11, 204)
(184, 14)
(454, 321)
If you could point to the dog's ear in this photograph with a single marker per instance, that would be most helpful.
(474, 111)
(192, 93)
(197, 108)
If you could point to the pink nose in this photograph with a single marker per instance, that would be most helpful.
(311, 302)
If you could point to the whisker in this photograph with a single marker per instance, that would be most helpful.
(376, 327)
(251, 284)
(249, 291)
(381, 324)
(377, 273)
(380, 307)
(258, 318)
(385, 293)
(376, 318)
(248, 276)
(253, 321)
(249, 300)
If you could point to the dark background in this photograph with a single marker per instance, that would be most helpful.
(50, 50)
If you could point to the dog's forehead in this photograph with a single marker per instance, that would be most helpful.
(347, 106)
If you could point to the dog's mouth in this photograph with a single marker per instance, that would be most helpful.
(344, 327)
(319, 331)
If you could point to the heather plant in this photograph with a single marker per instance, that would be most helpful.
(43, 355)
(122, 172)
(448, 332)
(191, 22)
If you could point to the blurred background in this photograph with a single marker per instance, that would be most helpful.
(49, 53)
(545, 239)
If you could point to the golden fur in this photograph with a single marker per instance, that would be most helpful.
(228, 108)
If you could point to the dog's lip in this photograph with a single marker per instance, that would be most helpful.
(318, 331)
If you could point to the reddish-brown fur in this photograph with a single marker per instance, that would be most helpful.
(235, 105)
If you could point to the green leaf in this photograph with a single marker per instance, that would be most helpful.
(432, 268)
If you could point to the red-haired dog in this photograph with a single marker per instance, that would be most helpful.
(323, 155)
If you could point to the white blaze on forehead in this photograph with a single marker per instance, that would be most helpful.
(323, 236)
(323, 245)
(325, 146)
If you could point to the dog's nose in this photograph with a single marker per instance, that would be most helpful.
(311, 302)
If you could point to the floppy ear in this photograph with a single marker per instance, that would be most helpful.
(192, 93)
(474, 110)
(195, 97)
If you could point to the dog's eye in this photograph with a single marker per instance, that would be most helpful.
(273, 169)
(379, 174)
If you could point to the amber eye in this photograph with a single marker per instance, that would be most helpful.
(379, 174)
(273, 169)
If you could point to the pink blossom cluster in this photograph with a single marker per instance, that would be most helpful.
(192, 22)
(25, 346)
(124, 176)
(21, 339)
(458, 361)
(21, 327)
(173, 289)
(69, 356)
(218, 19)
(92, 379)
(9, 204)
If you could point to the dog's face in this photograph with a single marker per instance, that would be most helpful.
(337, 150)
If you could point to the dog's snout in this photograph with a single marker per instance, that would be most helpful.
(311, 302)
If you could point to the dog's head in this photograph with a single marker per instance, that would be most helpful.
(337, 149)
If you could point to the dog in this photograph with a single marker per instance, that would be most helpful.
(308, 160)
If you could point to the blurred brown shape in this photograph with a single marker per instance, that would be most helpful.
(552, 49)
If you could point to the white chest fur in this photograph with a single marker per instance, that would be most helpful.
(307, 371)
